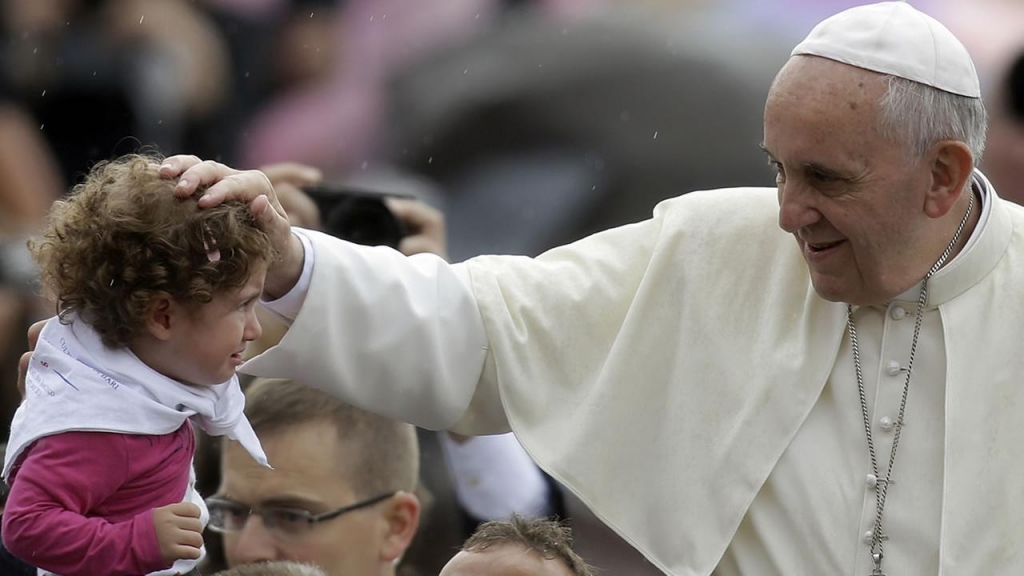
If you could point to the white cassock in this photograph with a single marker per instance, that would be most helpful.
(682, 377)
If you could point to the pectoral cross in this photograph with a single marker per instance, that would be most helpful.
(877, 559)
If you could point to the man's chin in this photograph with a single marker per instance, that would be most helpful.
(835, 289)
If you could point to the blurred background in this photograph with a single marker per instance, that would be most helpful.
(528, 123)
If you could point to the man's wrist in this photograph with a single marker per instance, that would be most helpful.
(285, 272)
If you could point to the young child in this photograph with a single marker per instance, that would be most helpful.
(156, 302)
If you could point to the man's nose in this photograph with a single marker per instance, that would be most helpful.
(796, 208)
(253, 543)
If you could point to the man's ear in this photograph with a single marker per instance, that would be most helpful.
(403, 518)
(950, 173)
(161, 314)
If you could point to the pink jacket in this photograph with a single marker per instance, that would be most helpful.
(81, 503)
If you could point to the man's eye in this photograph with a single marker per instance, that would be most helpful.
(235, 512)
(286, 518)
(231, 517)
(824, 178)
(780, 172)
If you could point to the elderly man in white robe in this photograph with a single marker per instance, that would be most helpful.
(817, 379)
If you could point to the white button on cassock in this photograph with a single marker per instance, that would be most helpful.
(897, 313)
(893, 368)
(886, 423)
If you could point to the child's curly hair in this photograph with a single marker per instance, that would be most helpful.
(122, 236)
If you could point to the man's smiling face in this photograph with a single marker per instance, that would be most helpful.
(852, 197)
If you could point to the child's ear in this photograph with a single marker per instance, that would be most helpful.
(161, 314)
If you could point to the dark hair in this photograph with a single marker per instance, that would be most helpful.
(123, 236)
(551, 539)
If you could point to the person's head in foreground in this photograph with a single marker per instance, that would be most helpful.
(283, 568)
(340, 495)
(153, 273)
(875, 125)
(518, 547)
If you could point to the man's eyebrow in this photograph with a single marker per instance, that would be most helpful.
(825, 171)
(293, 502)
(279, 501)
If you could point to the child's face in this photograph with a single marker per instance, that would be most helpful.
(209, 341)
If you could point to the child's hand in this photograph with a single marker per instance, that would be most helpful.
(179, 531)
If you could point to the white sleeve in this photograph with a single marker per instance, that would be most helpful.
(399, 336)
(494, 478)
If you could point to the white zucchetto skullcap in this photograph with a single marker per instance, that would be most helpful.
(894, 38)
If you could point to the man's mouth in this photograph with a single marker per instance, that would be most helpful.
(816, 247)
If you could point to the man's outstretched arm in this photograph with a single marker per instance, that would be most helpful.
(400, 336)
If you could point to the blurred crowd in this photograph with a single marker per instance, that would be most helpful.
(527, 123)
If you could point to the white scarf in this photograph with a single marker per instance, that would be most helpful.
(75, 383)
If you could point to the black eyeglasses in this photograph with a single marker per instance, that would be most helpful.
(231, 516)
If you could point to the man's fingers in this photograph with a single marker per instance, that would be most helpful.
(201, 174)
(273, 221)
(277, 227)
(175, 165)
(244, 186)
(284, 272)
(228, 188)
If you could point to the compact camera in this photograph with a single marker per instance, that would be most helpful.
(357, 215)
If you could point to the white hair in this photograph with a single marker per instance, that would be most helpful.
(921, 115)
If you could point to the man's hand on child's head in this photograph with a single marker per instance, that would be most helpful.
(220, 183)
(179, 531)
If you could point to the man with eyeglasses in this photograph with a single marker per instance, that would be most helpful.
(340, 495)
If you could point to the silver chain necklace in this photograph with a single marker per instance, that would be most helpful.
(881, 485)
